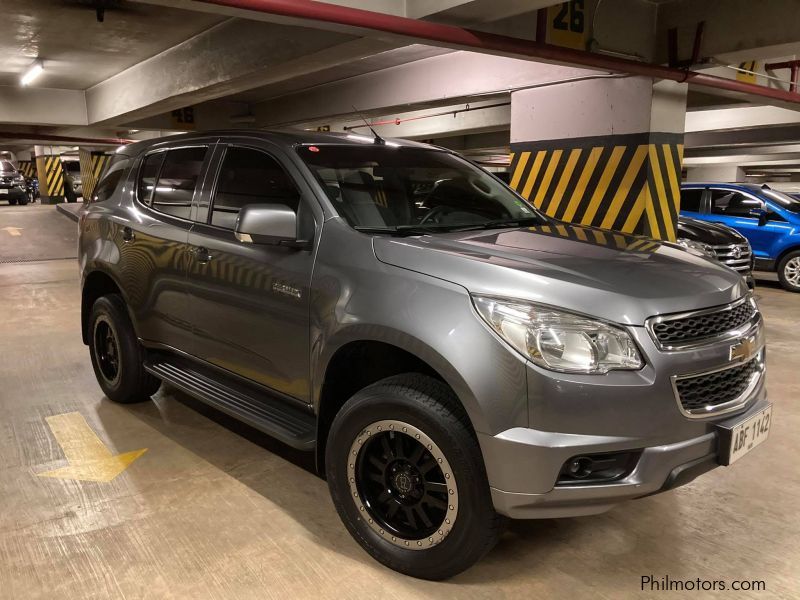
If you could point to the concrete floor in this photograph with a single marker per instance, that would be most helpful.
(214, 510)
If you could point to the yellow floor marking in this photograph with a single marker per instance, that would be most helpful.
(88, 457)
(13, 231)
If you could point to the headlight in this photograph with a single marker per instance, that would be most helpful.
(703, 249)
(558, 340)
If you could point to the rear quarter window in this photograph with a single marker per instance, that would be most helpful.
(110, 181)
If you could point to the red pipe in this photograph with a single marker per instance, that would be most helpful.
(44, 137)
(792, 65)
(449, 35)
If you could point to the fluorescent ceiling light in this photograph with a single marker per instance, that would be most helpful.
(33, 72)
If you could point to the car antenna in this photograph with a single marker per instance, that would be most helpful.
(378, 139)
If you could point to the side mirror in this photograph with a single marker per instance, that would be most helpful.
(271, 224)
(761, 214)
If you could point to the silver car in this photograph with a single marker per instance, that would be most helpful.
(452, 356)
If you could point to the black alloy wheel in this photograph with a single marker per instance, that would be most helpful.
(106, 350)
(406, 475)
(117, 356)
(405, 484)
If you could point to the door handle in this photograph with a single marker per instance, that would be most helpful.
(127, 234)
(202, 255)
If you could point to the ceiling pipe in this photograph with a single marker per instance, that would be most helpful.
(44, 137)
(459, 37)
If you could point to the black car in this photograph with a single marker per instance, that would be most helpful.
(12, 184)
(720, 242)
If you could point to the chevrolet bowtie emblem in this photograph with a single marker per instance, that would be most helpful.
(743, 349)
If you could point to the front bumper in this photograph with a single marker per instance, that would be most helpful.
(13, 193)
(659, 468)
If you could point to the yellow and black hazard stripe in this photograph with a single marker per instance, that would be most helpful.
(599, 237)
(93, 166)
(27, 168)
(51, 176)
(628, 183)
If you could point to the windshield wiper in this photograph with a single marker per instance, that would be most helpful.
(403, 230)
(498, 223)
(426, 228)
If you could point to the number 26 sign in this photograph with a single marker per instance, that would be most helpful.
(566, 24)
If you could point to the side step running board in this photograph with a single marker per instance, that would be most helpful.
(269, 414)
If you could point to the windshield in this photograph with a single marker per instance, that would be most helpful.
(72, 166)
(385, 187)
(782, 200)
(6, 166)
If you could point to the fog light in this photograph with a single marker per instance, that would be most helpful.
(580, 467)
(598, 468)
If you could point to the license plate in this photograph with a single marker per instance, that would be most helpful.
(3, 190)
(738, 440)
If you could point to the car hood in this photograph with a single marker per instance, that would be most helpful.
(713, 234)
(617, 277)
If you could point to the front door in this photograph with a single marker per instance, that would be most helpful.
(741, 211)
(250, 302)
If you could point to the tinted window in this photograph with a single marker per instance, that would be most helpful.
(734, 204)
(690, 199)
(385, 187)
(249, 176)
(177, 181)
(148, 173)
(110, 181)
(6, 166)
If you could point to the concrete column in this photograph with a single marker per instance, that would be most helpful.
(603, 152)
(716, 173)
(50, 174)
(26, 163)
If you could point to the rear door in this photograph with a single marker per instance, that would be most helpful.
(154, 242)
(692, 203)
(250, 302)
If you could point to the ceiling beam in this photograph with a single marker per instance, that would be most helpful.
(42, 106)
(233, 56)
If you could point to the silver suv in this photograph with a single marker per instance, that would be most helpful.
(451, 355)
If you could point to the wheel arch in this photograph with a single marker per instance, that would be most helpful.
(96, 284)
(360, 362)
(788, 250)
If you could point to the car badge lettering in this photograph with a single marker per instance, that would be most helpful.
(284, 288)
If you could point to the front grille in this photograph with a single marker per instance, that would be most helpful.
(695, 327)
(702, 394)
(736, 256)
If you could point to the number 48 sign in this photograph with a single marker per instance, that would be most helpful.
(183, 118)
(566, 24)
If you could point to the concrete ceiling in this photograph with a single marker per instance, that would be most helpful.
(150, 57)
(368, 64)
(80, 52)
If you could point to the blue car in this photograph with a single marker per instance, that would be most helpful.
(769, 219)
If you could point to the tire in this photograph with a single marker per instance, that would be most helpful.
(789, 271)
(12, 202)
(118, 360)
(453, 494)
(23, 201)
